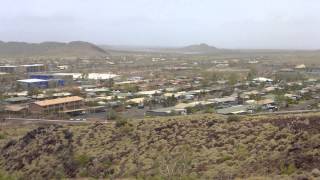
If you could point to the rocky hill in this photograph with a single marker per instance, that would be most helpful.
(199, 49)
(50, 49)
(192, 147)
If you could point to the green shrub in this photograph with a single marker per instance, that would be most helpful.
(6, 176)
(2, 136)
(209, 110)
(287, 169)
(226, 157)
(82, 160)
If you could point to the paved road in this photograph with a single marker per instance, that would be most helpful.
(54, 121)
(286, 112)
(107, 122)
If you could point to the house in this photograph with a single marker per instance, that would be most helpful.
(16, 109)
(269, 89)
(8, 69)
(61, 94)
(91, 76)
(267, 104)
(72, 104)
(222, 65)
(300, 67)
(31, 68)
(176, 95)
(292, 96)
(193, 104)
(136, 101)
(253, 62)
(166, 111)
(62, 67)
(5, 77)
(149, 93)
(98, 90)
(16, 100)
(189, 97)
(225, 101)
(313, 70)
(262, 80)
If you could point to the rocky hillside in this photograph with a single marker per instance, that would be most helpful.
(193, 147)
(50, 49)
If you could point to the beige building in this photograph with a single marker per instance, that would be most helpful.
(60, 105)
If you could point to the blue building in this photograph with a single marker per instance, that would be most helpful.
(54, 80)
(34, 83)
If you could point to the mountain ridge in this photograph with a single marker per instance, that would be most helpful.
(50, 49)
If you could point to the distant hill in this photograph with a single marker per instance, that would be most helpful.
(199, 48)
(50, 49)
(192, 49)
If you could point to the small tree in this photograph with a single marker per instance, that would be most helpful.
(252, 74)
(33, 91)
(112, 115)
(233, 79)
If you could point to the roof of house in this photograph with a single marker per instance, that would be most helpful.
(17, 99)
(263, 79)
(300, 66)
(149, 92)
(15, 108)
(32, 65)
(233, 110)
(136, 100)
(265, 101)
(59, 101)
(97, 90)
(224, 99)
(192, 104)
(8, 66)
(166, 110)
(32, 80)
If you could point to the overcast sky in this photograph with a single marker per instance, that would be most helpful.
(223, 23)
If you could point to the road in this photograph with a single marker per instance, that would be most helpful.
(108, 122)
(286, 112)
(54, 121)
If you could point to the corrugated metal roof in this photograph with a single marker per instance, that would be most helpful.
(59, 101)
(17, 99)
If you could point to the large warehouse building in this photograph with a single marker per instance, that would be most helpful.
(71, 104)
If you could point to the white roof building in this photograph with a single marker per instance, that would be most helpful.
(262, 79)
(31, 80)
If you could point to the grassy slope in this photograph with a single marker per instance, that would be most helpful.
(204, 146)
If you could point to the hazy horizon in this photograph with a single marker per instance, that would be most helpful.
(249, 24)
